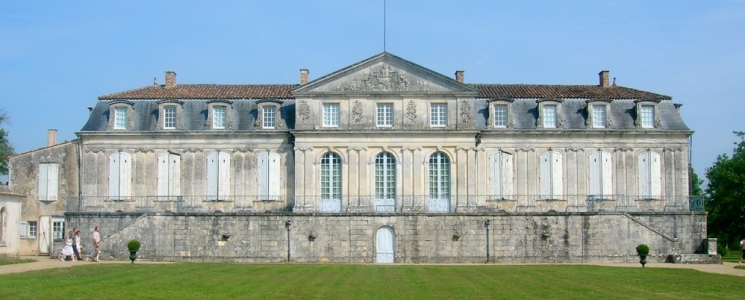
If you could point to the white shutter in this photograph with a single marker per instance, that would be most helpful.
(596, 174)
(262, 171)
(174, 175)
(224, 174)
(545, 175)
(52, 181)
(42, 186)
(163, 176)
(274, 175)
(24, 229)
(125, 174)
(212, 173)
(114, 175)
(506, 175)
(643, 170)
(557, 176)
(607, 173)
(496, 175)
(655, 175)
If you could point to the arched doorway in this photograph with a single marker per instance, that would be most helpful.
(385, 245)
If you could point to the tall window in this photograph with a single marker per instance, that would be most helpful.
(330, 183)
(58, 228)
(647, 116)
(120, 175)
(330, 115)
(270, 117)
(169, 175)
(601, 174)
(384, 115)
(598, 116)
(169, 118)
(385, 182)
(48, 182)
(439, 183)
(438, 114)
(218, 175)
(549, 116)
(501, 175)
(551, 175)
(650, 176)
(267, 174)
(219, 117)
(500, 116)
(32, 229)
(120, 118)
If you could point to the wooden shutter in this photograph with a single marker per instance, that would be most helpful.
(506, 175)
(114, 175)
(174, 174)
(23, 229)
(52, 181)
(224, 174)
(496, 175)
(125, 174)
(262, 175)
(643, 171)
(212, 175)
(607, 173)
(655, 175)
(42, 185)
(163, 176)
(557, 176)
(545, 175)
(596, 173)
(274, 175)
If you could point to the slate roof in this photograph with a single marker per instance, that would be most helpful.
(282, 91)
(562, 91)
(207, 91)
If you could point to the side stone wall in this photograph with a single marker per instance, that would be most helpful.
(419, 238)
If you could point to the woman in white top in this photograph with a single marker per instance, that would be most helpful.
(66, 253)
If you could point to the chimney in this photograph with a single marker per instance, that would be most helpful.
(303, 76)
(51, 137)
(604, 79)
(170, 79)
(459, 76)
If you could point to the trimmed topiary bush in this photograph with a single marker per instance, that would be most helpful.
(133, 245)
(642, 249)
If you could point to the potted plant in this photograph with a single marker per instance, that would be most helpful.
(643, 251)
(133, 246)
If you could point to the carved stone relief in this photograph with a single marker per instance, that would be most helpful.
(357, 111)
(411, 110)
(303, 110)
(465, 112)
(384, 79)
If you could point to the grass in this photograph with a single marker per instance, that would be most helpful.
(256, 281)
(732, 256)
(5, 260)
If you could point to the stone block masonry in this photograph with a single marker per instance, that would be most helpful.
(418, 238)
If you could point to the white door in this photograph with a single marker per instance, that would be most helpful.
(45, 234)
(384, 246)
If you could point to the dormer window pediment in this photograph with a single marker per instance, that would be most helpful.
(549, 113)
(170, 113)
(121, 115)
(219, 114)
(598, 113)
(500, 113)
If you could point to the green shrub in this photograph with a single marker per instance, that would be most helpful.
(722, 249)
(133, 245)
(642, 249)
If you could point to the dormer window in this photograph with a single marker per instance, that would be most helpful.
(549, 113)
(501, 113)
(219, 114)
(120, 115)
(269, 114)
(646, 114)
(598, 115)
(170, 114)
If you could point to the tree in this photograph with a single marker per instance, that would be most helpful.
(725, 200)
(696, 183)
(5, 148)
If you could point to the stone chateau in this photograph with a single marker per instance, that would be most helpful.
(384, 161)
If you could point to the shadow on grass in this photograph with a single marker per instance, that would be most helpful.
(6, 260)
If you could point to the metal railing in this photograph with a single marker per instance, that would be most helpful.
(394, 205)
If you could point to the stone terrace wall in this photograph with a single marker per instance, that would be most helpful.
(419, 238)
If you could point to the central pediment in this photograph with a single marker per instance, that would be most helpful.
(384, 74)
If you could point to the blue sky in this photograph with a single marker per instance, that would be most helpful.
(56, 58)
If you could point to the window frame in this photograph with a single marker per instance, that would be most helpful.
(48, 190)
(121, 115)
(163, 105)
(268, 117)
(551, 175)
(169, 117)
(261, 119)
(33, 229)
(228, 115)
(330, 183)
(558, 121)
(331, 114)
(438, 114)
(384, 118)
(592, 117)
(641, 104)
(439, 182)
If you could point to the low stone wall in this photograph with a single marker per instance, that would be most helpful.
(419, 238)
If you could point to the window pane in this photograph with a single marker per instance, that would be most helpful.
(31, 229)
(648, 116)
(330, 176)
(269, 117)
(385, 115)
(385, 176)
(549, 116)
(598, 116)
(500, 116)
(218, 117)
(438, 114)
(169, 120)
(331, 115)
(120, 118)
(439, 176)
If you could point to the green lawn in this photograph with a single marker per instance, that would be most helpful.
(732, 256)
(295, 281)
(5, 260)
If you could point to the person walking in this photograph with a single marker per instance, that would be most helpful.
(742, 247)
(76, 243)
(96, 244)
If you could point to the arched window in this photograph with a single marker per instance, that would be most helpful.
(439, 183)
(385, 183)
(330, 183)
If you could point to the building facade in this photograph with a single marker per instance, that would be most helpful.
(386, 161)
